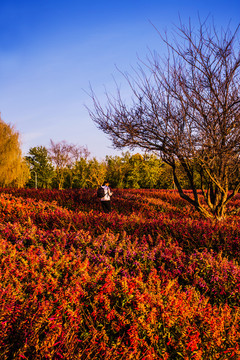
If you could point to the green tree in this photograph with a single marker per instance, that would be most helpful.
(138, 171)
(13, 169)
(40, 166)
(96, 173)
(80, 173)
(117, 168)
(152, 172)
(77, 171)
(133, 176)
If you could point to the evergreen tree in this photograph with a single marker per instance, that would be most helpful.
(40, 167)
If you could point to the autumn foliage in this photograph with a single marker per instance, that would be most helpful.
(13, 168)
(152, 280)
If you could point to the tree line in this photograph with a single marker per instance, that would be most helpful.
(67, 166)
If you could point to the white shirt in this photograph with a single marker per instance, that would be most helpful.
(108, 193)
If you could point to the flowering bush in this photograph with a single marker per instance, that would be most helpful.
(151, 280)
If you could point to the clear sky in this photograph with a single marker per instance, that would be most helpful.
(51, 50)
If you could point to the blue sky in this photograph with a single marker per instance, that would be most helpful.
(50, 50)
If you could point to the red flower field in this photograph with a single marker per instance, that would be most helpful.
(151, 280)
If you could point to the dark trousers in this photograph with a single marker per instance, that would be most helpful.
(106, 206)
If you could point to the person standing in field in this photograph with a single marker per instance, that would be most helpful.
(106, 199)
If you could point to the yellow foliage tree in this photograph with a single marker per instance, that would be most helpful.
(14, 171)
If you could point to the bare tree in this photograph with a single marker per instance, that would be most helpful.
(64, 156)
(186, 107)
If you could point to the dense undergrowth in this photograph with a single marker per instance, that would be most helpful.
(151, 280)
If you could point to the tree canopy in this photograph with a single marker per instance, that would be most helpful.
(40, 167)
(185, 107)
(13, 169)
